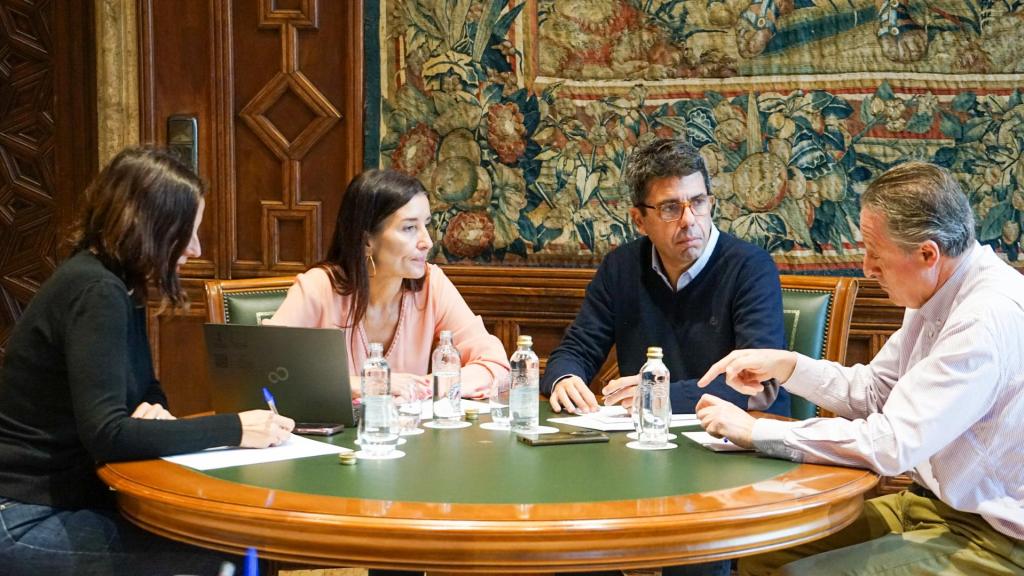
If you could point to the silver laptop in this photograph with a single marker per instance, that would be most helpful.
(306, 369)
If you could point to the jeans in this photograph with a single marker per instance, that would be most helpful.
(38, 539)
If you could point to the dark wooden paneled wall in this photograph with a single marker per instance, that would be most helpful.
(277, 90)
(276, 87)
(47, 140)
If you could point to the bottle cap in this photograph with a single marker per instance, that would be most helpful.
(376, 347)
(524, 340)
(347, 458)
(446, 334)
(655, 352)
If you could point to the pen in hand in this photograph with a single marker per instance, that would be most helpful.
(270, 401)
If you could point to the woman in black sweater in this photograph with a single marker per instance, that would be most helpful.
(77, 386)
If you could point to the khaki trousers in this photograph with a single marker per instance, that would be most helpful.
(900, 534)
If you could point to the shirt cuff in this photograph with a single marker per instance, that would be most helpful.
(805, 377)
(769, 437)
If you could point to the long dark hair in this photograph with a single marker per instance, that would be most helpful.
(370, 198)
(137, 217)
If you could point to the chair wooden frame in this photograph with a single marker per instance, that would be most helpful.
(216, 290)
(844, 295)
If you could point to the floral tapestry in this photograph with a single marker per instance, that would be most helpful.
(518, 115)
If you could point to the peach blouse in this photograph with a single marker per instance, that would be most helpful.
(313, 303)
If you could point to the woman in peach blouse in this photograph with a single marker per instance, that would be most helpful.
(376, 283)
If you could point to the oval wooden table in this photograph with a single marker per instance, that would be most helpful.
(478, 501)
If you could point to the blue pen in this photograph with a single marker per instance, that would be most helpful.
(270, 400)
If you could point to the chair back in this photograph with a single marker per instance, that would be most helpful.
(816, 317)
(246, 300)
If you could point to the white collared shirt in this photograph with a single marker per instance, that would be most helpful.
(691, 272)
(944, 398)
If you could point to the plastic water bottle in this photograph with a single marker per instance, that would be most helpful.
(655, 407)
(446, 365)
(525, 386)
(378, 421)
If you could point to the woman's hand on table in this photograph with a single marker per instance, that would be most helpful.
(263, 428)
(408, 385)
(147, 411)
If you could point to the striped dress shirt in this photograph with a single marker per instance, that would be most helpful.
(943, 399)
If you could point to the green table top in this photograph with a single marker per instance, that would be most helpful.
(477, 466)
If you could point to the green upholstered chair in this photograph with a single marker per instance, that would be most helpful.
(816, 315)
(245, 301)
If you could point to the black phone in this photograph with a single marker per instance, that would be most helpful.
(319, 428)
(574, 437)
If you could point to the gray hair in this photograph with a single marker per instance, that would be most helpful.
(662, 158)
(921, 202)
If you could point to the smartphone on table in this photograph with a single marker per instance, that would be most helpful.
(318, 428)
(574, 437)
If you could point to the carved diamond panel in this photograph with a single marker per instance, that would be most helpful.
(28, 214)
(255, 115)
(25, 27)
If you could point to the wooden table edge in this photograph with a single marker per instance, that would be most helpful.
(192, 507)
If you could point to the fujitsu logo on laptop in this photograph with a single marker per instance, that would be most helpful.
(280, 374)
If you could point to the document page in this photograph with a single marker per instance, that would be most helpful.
(295, 447)
(716, 444)
(616, 419)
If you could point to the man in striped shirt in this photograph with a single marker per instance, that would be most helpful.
(943, 399)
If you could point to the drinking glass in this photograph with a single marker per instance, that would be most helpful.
(410, 410)
(378, 425)
(498, 400)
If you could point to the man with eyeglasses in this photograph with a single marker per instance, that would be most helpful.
(683, 285)
(696, 292)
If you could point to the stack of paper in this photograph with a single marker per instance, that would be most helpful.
(617, 419)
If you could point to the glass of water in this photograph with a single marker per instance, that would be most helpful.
(410, 410)
(378, 425)
(498, 398)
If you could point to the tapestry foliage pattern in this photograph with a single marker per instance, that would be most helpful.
(518, 115)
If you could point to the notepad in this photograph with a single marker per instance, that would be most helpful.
(716, 444)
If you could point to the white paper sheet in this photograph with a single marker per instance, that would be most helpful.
(295, 447)
(427, 412)
(616, 419)
(716, 444)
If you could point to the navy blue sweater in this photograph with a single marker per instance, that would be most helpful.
(734, 302)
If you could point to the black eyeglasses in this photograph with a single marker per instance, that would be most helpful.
(673, 210)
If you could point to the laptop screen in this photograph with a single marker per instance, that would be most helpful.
(306, 369)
